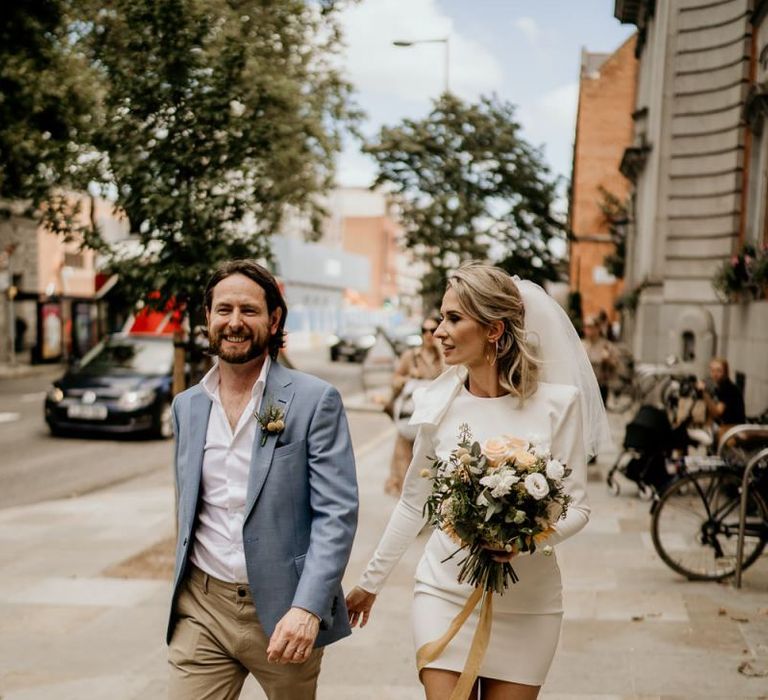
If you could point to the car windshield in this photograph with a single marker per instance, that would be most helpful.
(125, 354)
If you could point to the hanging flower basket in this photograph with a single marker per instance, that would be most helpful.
(744, 277)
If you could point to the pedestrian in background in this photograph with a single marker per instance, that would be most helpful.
(602, 354)
(417, 367)
(725, 404)
(267, 506)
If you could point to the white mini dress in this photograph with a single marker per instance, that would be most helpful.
(527, 617)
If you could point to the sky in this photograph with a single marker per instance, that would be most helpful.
(527, 52)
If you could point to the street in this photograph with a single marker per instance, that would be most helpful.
(84, 595)
(36, 466)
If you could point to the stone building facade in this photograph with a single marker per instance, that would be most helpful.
(604, 128)
(698, 163)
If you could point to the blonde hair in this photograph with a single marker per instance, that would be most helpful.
(488, 294)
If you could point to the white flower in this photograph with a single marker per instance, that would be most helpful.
(500, 483)
(555, 470)
(536, 485)
(541, 451)
(236, 108)
(547, 550)
(482, 500)
(539, 440)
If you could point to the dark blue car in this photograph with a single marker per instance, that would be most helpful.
(123, 385)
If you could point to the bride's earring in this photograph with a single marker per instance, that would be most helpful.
(492, 353)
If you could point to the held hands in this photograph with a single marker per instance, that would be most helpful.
(359, 604)
(293, 638)
(502, 555)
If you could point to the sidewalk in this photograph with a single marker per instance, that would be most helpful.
(632, 629)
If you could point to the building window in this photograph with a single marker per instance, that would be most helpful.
(689, 346)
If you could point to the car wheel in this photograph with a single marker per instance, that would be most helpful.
(163, 427)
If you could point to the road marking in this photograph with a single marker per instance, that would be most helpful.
(371, 445)
(9, 417)
(32, 398)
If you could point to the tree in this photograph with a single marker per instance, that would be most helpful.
(46, 105)
(470, 187)
(615, 216)
(217, 117)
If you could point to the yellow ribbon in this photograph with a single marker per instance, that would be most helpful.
(431, 650)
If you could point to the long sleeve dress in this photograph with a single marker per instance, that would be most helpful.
(527, 617)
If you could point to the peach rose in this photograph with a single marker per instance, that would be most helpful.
(515, 443)
(523, 459)
(496, 450)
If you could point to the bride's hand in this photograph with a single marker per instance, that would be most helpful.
(502, 555)
(359, 604)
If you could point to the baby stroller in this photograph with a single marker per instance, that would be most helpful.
(648, 442)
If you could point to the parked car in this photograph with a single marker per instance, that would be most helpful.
(353, 344)
(123, 385)
(404, 337)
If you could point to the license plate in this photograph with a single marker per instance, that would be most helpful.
(94, 412)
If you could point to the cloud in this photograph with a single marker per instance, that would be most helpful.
(529, 27)
(551, 120)
(416, 73)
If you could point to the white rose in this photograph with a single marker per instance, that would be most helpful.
(555, 470)
(536, 485)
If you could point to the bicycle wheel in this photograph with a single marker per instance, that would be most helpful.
(695, 525)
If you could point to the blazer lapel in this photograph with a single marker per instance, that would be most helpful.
(199, 411)
(278, 391)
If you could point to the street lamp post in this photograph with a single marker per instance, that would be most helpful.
(445, 41)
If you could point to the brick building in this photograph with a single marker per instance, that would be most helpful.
(604, 128)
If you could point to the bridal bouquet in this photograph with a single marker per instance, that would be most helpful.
(503, 495)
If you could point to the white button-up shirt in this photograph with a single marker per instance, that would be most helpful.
(218, 545)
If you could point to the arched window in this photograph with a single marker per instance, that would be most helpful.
(688, 353)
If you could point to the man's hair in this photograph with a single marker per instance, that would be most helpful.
(264, 278)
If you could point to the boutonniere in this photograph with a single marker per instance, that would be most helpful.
(271, 420)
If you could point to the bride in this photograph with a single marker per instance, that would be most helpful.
(517, 367)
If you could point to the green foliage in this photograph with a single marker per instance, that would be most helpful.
(46, 103)
(615, 214)
(575, 310)
(219, 116)
(205, 121)
(744, 276)
(470, 187)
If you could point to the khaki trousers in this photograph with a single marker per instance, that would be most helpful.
(218, 640)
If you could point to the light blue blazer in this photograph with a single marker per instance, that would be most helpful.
(301, 504)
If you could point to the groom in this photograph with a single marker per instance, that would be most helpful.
(267, 506)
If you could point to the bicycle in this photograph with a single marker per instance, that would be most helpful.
(695, 521)
(643, 383)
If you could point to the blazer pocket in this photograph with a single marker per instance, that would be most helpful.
(289, 449)
(299, 562)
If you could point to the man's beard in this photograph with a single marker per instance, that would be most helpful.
(239, 355)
